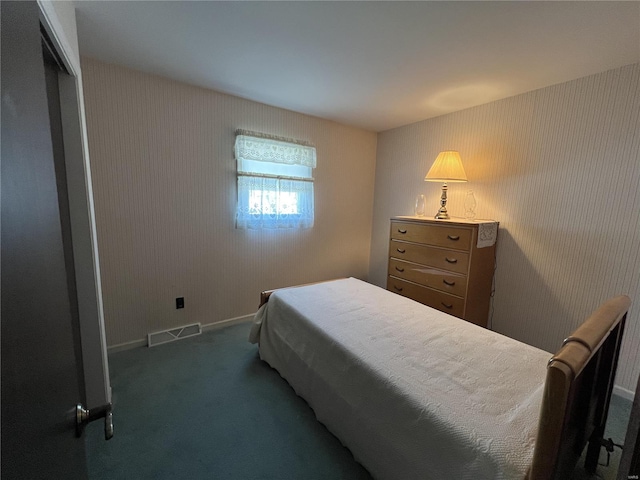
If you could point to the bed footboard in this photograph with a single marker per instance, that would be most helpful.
(577, 392)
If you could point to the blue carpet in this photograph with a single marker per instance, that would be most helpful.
(208, 408)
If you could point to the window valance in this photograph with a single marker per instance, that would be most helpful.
(274, 151)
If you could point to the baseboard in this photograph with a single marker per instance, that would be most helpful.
(210, 326)
(228, 322)
(623, 392)
(127, 345)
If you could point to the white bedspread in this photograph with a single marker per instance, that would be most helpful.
(413, 392)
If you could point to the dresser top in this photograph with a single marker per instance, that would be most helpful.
(451, 221)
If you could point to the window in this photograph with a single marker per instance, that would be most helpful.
(275, 183)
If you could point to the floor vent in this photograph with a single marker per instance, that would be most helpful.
(173, 334)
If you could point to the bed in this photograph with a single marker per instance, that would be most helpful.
(415, 393)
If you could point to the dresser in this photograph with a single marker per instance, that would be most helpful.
(446, 264)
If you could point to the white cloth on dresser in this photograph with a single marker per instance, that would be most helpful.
(487, 234)
(413, 392)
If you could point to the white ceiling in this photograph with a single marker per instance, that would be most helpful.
(375, 65)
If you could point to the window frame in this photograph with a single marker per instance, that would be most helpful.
(262, 160)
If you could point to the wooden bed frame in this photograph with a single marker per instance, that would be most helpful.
(577, 393)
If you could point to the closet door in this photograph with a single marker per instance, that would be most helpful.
(41, 363)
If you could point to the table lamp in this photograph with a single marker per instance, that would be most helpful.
(446, 168)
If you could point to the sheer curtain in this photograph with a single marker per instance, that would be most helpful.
(275, 185)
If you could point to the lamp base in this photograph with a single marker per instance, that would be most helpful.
(442, 213)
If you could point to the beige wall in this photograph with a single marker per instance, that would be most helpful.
(560, 169)
(165, 193)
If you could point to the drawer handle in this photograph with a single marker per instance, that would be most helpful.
(400, 250)
(400, 269)
(455, 238)
(451, 260)
(398, 288)
(447, 305)
(446, 282)
(402, 231)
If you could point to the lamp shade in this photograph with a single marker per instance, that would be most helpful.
(447, 168)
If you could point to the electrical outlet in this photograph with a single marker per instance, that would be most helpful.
(180, 302)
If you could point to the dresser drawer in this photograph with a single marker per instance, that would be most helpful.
(453, 261)
(429, 277)
(433, 298)
(458, 238)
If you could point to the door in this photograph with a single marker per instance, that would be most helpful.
(41, 362)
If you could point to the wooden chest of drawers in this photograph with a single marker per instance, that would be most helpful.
(442, 264)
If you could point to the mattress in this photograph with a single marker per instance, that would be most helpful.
(414, 393)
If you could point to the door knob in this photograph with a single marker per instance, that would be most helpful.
(84, 416)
